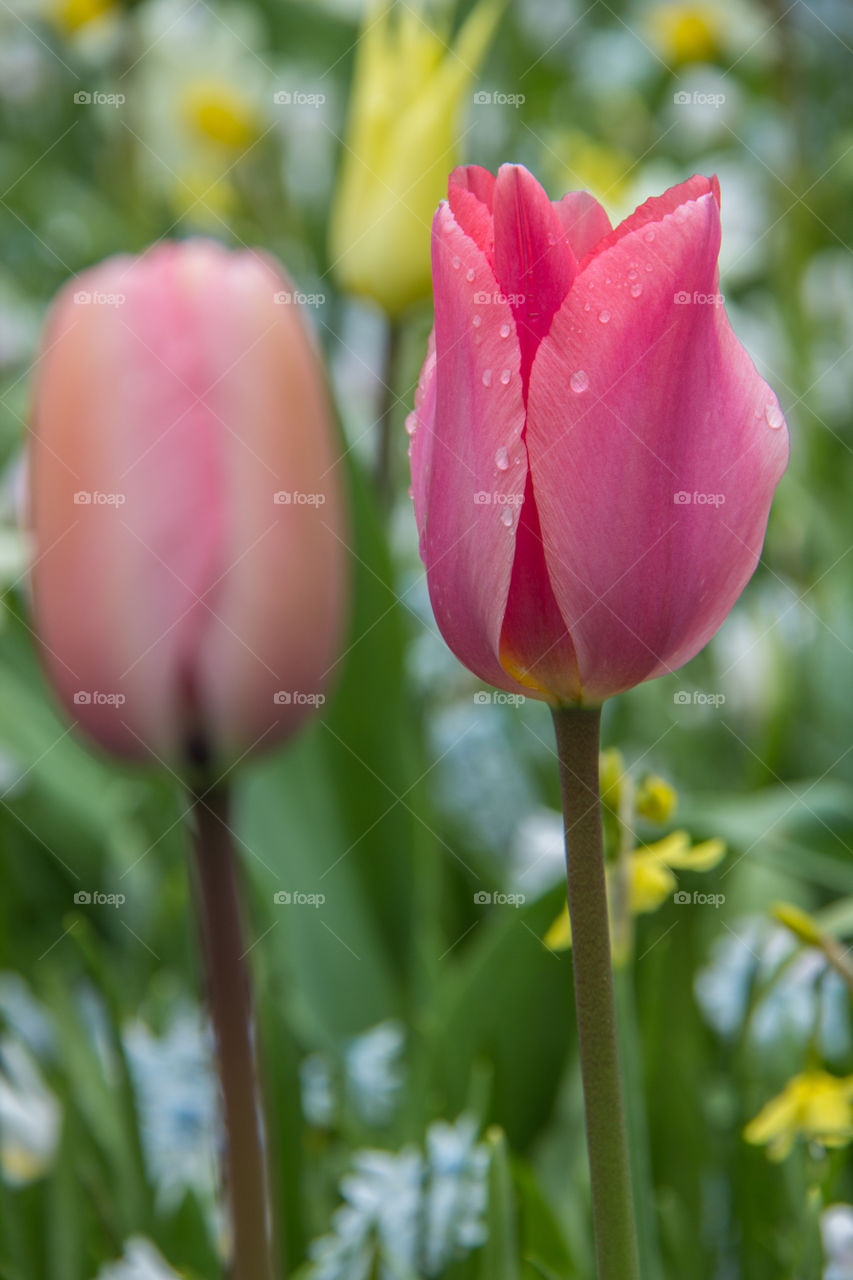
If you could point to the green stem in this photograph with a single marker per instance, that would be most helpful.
(229, 997)
(577, 730)
(387, 403)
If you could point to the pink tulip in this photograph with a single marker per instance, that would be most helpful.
(593, 453)
(189, 574)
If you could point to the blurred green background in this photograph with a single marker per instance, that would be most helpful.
(419, 1045)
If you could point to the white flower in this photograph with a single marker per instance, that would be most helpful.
(29, 1116)
(408, 1214)
(179, 1107)
(836, 1229)
(141, 1261)
(372, 1063)
(199, 97)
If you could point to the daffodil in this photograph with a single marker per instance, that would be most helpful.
(686, 32)
(814, 1106)
(649, 878)
(402, 140)
(202, 98)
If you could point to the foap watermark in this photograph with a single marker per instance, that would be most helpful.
(95, 498)
(498, 698)
(497, 98)
(295, 698)
(295, 298)
(95, 98)
(94, 298)
(296, 898)
(682, 898)
(684, 498)
(482, 498)
(94, 898)
(298, 98)
(296, 498)
(698, 299)
(483, 898)
(695, 98)
(489, 298)
(96, 698)
(697, 698)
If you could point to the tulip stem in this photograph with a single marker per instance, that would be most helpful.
(387, 402)
(228, 984)
(577, 730)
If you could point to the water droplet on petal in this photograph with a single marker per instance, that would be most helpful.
(774, 416)
(586, 306)
(477, 321)
(636, 290)
(648, 266)
(506, 517)
(411, 424)
(649, 236)
(455, 262)
(469, 274)
(505, 376)
(505, 330)
(633, 273)
(501, 459)
(579, 381)
(410, 491)
(487, 377)
(604, 316)
(409, 451)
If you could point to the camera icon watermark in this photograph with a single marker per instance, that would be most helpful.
(482, 498)
(94, 498)
(682, 98)
(85, 98)
(493, 297)
(87, 297)
(87, 898)
(698, 299)
(298, 98)
(698, 698)
(293, 297)
(295, 898)
(683, 498)
(498, 698)
(295, 498)
(295, 698)
(496, 98)
(682, 898)
(95, 698)
(482, 898)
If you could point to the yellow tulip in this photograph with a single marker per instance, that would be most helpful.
(401, 143)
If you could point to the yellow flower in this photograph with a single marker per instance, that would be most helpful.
(687, 32)
(814, 1105)
(800, 923)
(219, 112)
(592, 165)
(401, 143)
(656, 799)
(72, 15)
(650, 878)
(611, 769)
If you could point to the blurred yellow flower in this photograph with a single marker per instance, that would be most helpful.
(217, 110)
(611, 770)
(814, 1105)
(649, 878)
(686, 32)
(593, 166)
(401, 143)
(656, 799)
(72, 15)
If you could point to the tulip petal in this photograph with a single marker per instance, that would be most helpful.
(470, 191)
(584, 220)
(468, 460)
(534, 262)
(654, 448)
(657, 207)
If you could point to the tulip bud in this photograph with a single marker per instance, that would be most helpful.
(189, 574)
(407, 93)
(593, 452)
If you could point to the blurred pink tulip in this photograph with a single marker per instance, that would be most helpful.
(593, 452)
(189, 576)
